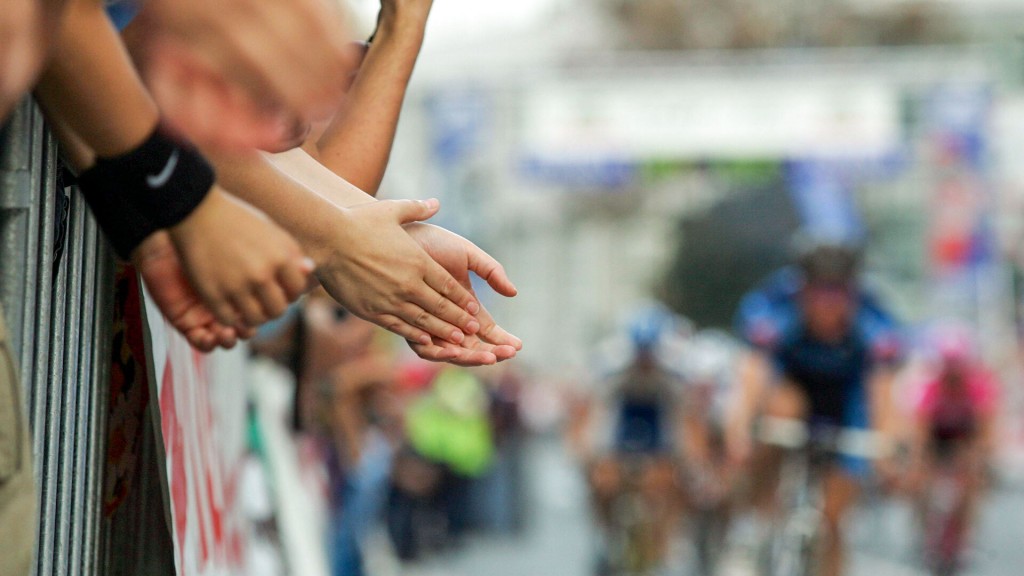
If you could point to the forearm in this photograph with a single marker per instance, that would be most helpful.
(694, 437)
(298, 165)
(357, 144)
(75, 151)
(881, 402)
(90, 87)
(752, 379)
(293, 206)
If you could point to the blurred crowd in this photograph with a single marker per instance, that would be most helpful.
(232, 152)
(424, 452)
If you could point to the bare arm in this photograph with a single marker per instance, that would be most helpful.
(753, 377)
(883, 411)
(455, 254)
(357, 144)
(694, 432)
(365, 259)
(243, 267)
(90, 81)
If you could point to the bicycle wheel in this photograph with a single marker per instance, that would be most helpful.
(710, 529)
(945, 530)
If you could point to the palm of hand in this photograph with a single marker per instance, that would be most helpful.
(458, 256)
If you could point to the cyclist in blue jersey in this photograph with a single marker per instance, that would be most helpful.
(627, 435)
(821, 348)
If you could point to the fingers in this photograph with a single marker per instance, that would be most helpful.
(193, 315)
(448, 290)
(403, 329)
(468, 358)
(201, 338)
(493, 334)
(442, 312)
(438, 351)
(473, 355)
(267, 299)
(428, 322)
(408, 211)
(203, 106)
(223, 310)
(250, 309)
(273, 299)
(433, 352)
(486, 267)
(296, 279)
(210, 336)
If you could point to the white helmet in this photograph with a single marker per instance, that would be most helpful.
(710, 357)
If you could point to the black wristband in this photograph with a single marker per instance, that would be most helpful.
(154, 186)
(122, 224)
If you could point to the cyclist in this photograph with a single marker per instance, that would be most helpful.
(710, 369)
(821, 348)
(627, 434)
(953, 438)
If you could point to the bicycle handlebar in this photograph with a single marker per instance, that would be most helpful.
(794, 434)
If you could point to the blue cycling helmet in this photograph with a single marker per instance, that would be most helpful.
(648, 326)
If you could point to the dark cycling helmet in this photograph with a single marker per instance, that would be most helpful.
(825, 259)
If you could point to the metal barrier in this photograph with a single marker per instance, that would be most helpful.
(56, 288)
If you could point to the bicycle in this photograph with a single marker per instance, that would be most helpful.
(631, 544)
(710, 518)
(794, 544)
(944, 515)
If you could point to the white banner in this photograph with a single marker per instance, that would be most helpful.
(643, 119)
(203, 423)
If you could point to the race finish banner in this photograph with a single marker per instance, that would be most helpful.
(203, 425)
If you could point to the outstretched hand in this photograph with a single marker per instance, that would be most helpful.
(243, 266)
(383, 276)
(459, 256)
(241, 73)
(161, 271)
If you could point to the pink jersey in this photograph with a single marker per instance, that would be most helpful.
(954, 413)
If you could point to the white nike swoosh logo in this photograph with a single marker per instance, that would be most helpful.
(158, 180)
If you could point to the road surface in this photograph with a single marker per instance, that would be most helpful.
(559, 539)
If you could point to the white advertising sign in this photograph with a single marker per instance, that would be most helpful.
(640, 119)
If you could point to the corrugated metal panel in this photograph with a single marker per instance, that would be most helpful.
(60, 317)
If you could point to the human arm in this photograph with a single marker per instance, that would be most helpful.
(753, 377)
(357, 143)
(242, 265)
(241, 73)
(454, 253)
(692, 432)
(25, 27)
(160, 267)
(885, 419)
(884, 415)
(365, 259)
(918, 444)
